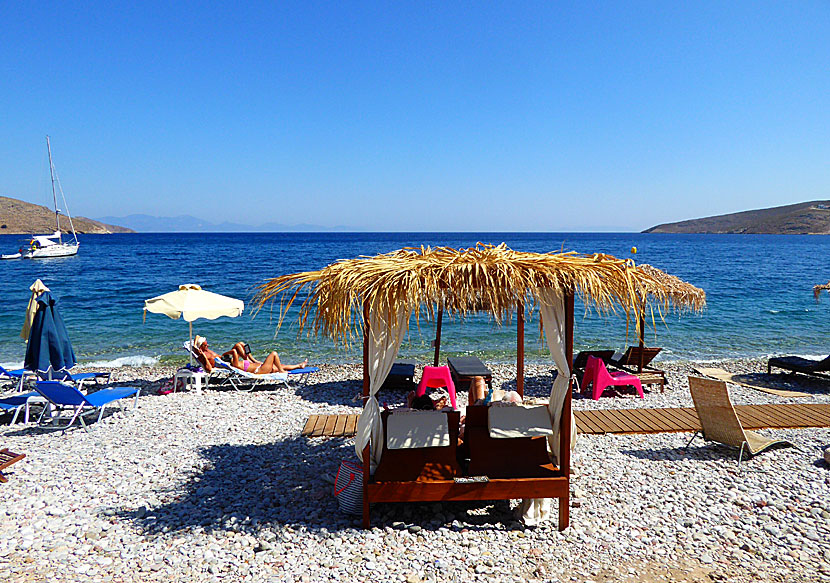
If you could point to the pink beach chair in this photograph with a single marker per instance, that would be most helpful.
(596, 373)
(435, 377)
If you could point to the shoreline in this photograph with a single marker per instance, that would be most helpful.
(220, 486)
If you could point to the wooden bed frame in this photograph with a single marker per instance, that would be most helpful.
(548, 482)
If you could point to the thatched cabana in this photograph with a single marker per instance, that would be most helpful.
(376, 296)
(819, 288)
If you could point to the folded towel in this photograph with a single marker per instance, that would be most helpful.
(412, 429)
(508, 420)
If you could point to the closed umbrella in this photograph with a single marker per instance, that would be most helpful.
(191, 302)
(36, 288)
(49, 346)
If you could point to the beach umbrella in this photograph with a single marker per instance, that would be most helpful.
(36, 288)
(191, 302)
(49, 345)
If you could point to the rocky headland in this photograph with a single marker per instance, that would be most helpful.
(806, 218)
(20, 217)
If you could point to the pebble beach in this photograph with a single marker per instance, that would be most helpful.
(220, 486)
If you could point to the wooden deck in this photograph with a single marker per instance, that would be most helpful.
(630, 421)
(330, 426)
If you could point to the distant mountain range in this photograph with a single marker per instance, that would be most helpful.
(806, 218)
(190, 224)
(19, 217)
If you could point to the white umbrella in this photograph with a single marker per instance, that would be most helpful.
(191, 302)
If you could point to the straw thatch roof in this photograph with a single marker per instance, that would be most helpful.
(817, 289)
(494, 279)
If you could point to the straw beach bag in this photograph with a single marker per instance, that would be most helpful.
(348, 487)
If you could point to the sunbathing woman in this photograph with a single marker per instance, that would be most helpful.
(238, 358)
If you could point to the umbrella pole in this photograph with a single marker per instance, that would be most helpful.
(191, 343)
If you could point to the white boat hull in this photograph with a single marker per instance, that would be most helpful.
(11, 256)
(59, 250)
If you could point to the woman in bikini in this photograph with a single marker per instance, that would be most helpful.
(238, 358)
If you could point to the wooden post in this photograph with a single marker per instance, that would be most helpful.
(565, 422)
(365, 349)
(366, 467)
(437, 340)
(642, 341)
(520, 349)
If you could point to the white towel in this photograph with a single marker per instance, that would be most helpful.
(508, 420)
(411, 429)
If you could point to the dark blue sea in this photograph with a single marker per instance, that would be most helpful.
(758, 287)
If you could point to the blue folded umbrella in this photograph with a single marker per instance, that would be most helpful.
(49, 345)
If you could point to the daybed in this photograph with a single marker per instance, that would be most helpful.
(483, 468)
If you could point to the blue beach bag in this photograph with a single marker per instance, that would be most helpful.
(348, 487)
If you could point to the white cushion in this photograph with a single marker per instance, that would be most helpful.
(509, 420)
(411, 429)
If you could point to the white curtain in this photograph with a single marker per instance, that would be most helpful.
(552, 307)
(553, 321)
(384, 343)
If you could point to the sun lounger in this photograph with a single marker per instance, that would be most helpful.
(464, 368)
(630, 362)
(798, 364)
(21, 402)
(16, 376)
(632, 357)
(225, 374)
(67, 397)
(581, 359)
(401, 376)
(79, 379)
(8, 458)
(720, 421)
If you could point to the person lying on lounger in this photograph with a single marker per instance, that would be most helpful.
(239, 358)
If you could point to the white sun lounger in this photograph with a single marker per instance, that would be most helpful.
(242, 380)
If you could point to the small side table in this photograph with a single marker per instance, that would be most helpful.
(188, 378)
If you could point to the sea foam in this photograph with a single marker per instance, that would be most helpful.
(137, 360)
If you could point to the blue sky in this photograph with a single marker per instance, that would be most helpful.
(419, 116)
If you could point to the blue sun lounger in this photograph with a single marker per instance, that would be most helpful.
(79, 379)
(66, 397)
(16, 376)
(20, 402)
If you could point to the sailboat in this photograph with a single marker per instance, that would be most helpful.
(42, 246)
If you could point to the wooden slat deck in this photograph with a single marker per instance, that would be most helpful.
(330, 426)
(628, 421)
(631, 421)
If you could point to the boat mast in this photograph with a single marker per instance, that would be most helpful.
(54, 194)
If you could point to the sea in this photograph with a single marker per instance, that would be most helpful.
(758, 289)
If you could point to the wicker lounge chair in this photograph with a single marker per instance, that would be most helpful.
(8, 458)
(798, 364)
(720, 421)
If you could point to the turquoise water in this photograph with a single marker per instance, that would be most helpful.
(759, 293)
